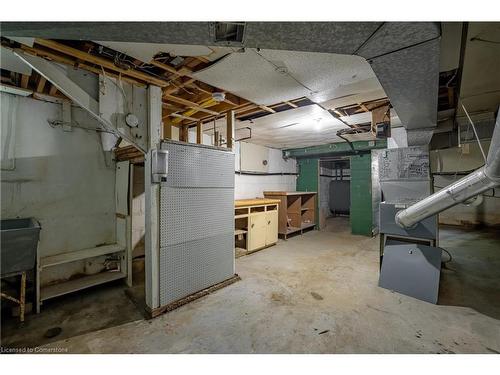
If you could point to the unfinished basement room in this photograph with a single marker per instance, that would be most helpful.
(250, 187)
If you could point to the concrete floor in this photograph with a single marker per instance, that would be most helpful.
(316, 293)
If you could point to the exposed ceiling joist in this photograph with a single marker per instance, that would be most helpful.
(84, 56)
(190, 104)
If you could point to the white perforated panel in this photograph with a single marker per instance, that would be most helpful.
(196, 220)
(189, 267)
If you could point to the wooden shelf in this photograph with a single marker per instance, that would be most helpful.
(239, 231)
(292, 230)
(296, 208)
(74, 285)
(73, 256)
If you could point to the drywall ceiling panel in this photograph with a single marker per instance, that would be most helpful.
(302, 117)
(298, 127)
(9, 61)
(358, 118)
(146, 51)
(320, 72)
(364, 117)
(268, 76)
(357, 92)
(249, 76)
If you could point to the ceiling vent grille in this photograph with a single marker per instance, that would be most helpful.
(228, 33)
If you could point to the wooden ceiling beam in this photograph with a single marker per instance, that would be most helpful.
(74, 63)
(267, 109)
(173, 87)
(177, 115)
(190, 104)
(84, 56)
(41, 84)
(24, 81)
(183, 71)
(53, 90)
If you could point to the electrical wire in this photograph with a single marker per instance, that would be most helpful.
(447, 252)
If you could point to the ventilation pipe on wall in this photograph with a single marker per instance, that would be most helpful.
(479, 181)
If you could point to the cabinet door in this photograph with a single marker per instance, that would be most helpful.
(257, 231)
(272, 227)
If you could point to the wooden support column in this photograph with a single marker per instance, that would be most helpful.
(24, 81)
(230, 129)
(167, 128)
(199, 136)
(184, 133)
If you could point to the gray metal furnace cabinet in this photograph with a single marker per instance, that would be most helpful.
(196, 220)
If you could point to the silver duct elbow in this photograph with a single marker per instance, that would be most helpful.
(477, 182)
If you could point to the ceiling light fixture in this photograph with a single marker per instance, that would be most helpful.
(218, 96)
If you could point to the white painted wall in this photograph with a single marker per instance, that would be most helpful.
(248, 186)
(486, 213)
(463, 159)
(59, 178)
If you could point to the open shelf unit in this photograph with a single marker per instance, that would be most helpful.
(297, 211)
(69, 286)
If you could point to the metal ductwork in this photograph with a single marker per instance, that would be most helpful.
(479, 181)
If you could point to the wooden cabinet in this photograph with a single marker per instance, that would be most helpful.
(271, 227)
(256, 224)
(297, 210)
(257, 232)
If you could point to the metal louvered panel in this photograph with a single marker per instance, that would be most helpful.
(196, 220)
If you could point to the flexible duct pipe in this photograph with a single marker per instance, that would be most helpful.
(479, 181)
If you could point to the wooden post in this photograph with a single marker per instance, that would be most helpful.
(199, 137)
(229, 129)
(167, 128)
(184, 134)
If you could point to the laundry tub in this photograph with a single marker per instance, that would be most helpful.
(19, 241)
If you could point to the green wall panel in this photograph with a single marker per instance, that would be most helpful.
(308, 178)
(361, 195)
(308, 174)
